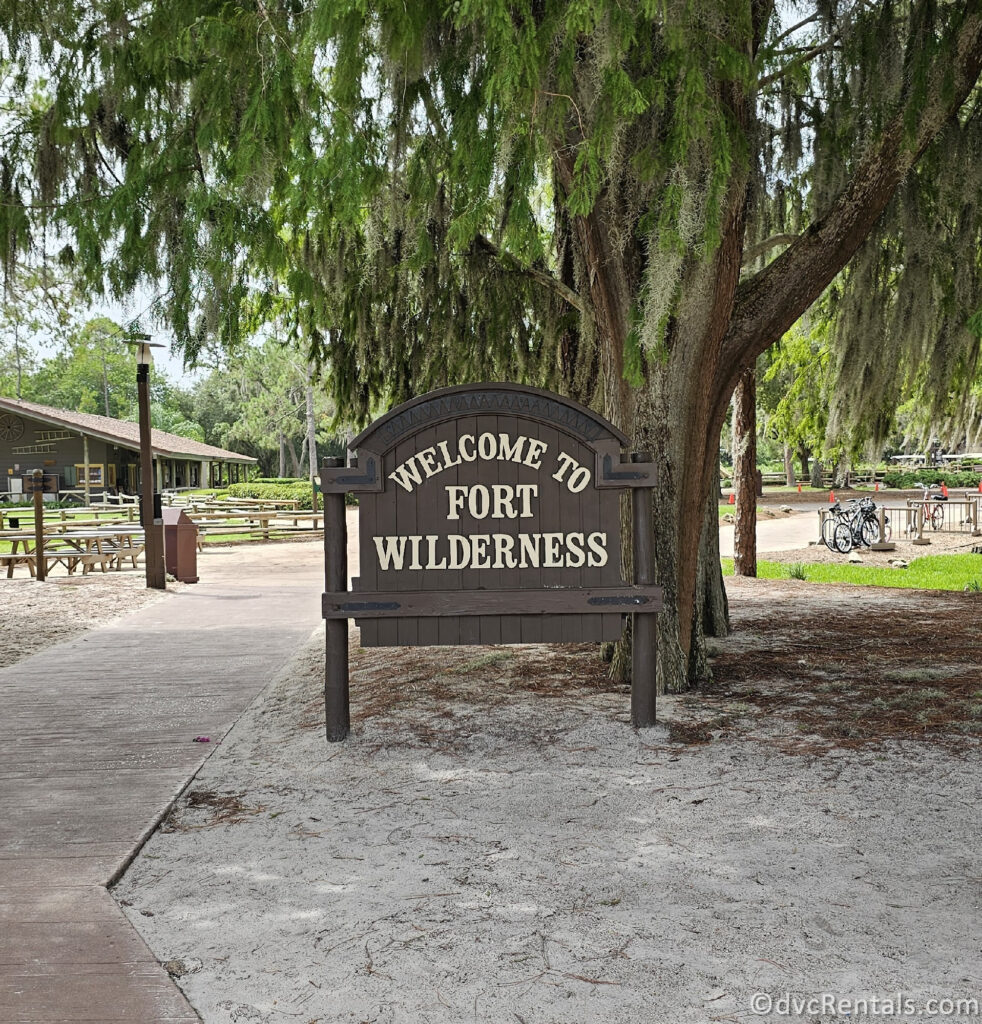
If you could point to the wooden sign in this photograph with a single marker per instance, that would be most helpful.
(488, 514)
(48, 484)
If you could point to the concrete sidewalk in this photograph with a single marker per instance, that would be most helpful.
(794, 531)
(96, 740)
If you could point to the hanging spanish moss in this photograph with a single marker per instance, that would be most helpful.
(902, 310)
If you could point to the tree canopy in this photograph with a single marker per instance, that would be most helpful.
(627, 201)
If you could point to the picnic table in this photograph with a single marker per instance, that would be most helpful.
(106, 547)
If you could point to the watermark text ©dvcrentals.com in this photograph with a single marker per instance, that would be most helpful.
(897, 1004)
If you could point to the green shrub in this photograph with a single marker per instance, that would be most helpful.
(299, 491)
(905, 479)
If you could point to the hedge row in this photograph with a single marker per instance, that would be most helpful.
(905, 479)
(297, 491)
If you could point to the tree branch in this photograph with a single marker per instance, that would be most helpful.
(542, 277)
(802, 58)
(794, 28)
(768, 303)
(749, 255)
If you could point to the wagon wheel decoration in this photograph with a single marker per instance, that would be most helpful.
(11, 427)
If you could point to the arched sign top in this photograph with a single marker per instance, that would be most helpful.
(486, 399)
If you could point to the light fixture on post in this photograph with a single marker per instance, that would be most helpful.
(151, 514)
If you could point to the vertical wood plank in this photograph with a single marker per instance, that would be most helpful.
(496, 472)
(336, 707)
(430, 518)
(469, 628)
(643, 671)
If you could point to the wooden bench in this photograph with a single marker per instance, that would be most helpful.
(21, 558)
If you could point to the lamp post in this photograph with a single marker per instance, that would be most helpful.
(153, 528)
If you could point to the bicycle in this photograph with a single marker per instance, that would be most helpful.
(836, 531)
(933, 509)
(858, 525)
(866, 523)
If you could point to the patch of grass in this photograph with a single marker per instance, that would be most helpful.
(836, 686)
(726, 509)
(484, 661)
(796, 571)
(923, 674)
(911, 700)
(935, 572)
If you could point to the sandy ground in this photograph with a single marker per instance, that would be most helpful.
(494, 843)
(35, 615)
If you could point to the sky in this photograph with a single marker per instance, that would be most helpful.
(164, 359)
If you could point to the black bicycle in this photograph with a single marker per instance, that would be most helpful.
(858, 525)
(836, 531)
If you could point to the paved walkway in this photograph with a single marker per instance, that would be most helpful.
(95, 742)
(776, 534)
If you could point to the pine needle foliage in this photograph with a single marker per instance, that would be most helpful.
(412, 177)
(903, 310)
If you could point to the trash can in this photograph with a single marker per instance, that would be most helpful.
(180, 545)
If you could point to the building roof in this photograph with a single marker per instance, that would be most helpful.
(122, 432)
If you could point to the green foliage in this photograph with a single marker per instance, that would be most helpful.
(257, 401)
(901, 314)
(936, 572)
(39, 303)
(796, 387)
(907, 479)
(407, 178)
(403, 188)
(300, 491)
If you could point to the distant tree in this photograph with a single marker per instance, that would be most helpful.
(264, 401)
(95, 371)
(796, 392)
(39, 305)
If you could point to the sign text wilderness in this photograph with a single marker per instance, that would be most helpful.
(491, 503)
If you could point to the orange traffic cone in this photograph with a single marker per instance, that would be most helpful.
(732, 498)
(877, 487)
(831, 497)
(980, 487)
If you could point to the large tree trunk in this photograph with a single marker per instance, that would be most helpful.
(722, 324)
(817, 478)
(294, 461)
(745, 474)
(840, 474)
(282, 472)
(789, 477)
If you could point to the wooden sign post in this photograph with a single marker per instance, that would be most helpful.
(40, 565)
(489, 514)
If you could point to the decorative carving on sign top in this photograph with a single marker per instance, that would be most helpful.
(495, 401)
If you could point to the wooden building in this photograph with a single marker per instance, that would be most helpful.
(89, 455)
